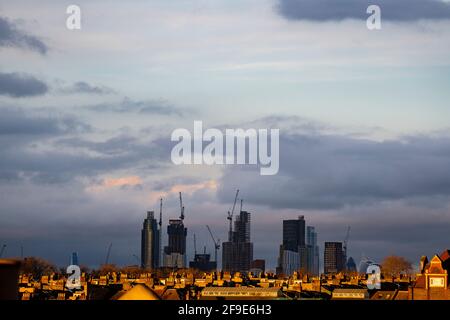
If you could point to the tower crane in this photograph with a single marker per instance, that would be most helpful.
(230, 217)
(195, 246)
(108, 253)
(160, 233)
(216, 243)
(347, 236)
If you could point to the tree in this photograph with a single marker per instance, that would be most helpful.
(107, 268)
(37, 267)
(132, 271)
(395, 265)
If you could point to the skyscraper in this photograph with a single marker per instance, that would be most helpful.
(312, 251)
(237, 254)
(74, 259)
(294, 233)
(333, 261)
(293, 251)
(150, 245)
(175, 251)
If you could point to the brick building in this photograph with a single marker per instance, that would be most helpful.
(432, 283)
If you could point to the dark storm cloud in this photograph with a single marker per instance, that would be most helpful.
(57, 166)
(331, 171)
(127, 105)
(10, 36)
(18, 122)
(393, 10)
(19, 85)
(67, 154)
(84, 87)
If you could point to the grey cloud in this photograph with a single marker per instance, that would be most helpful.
(18, 122)
(331, 10)
(21, 85)
(128, 105)
(69, 157)
(333, 171)
(10, 36)
(84, 87)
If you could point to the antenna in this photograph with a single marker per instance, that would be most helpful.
(230, 217)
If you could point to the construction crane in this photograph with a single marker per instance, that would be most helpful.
(240, 210)
(160, 233)
(195, 246)
(216, 244)
(230, 217)
(108, 253)
(3, 250)
(181, 208)
(137, 258)
(347, 236)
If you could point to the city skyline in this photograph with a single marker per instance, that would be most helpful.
(87, 116)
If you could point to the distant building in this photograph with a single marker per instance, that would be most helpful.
(364, 264)
(258, 266)
(150, 246)
(294, 233)
(237, 253)
(313, 251)
(288, 262)
(293, 252)
(175, 251)
(74, 259)
(333, 261)
(351, 265)
(432, 282)
(299, 250)
(203, 262)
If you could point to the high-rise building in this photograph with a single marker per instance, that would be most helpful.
(74, 259)
(294, 233)
(237, 254)
(150, 246)
(312, 251)
(175, 251)
(293, 251)
(333, 261)
(203, 262)
(351, 265)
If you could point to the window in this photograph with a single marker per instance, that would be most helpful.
(437, 282)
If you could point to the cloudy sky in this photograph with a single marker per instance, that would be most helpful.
(86, 118)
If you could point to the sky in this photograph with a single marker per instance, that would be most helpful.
(87, 115)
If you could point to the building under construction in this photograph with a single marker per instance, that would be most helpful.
(175, 251)
(237, 252)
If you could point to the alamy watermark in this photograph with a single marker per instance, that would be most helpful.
(74, 278)
(227, 148)
(373, 277)
(73, 21)
(373, 22)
